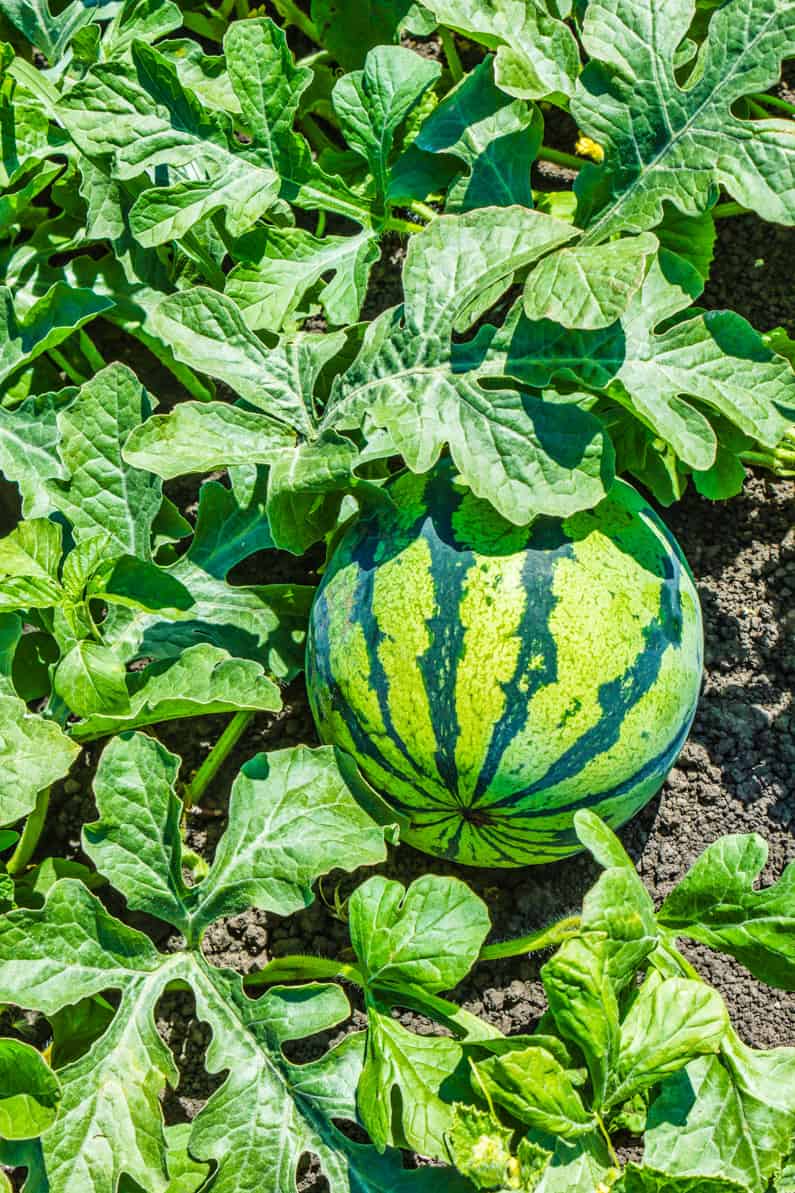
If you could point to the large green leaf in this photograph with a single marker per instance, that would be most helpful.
(269, 87)
(716, 903)
(730, 1117)
(496, 137)
(667, 140)
(525, 452)
(269, 1110)
(537, 54)
(715, 357)
(33, 754)
(146, 118)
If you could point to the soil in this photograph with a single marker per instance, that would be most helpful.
(734, 774)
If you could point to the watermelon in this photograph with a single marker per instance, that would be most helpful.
(490, 679)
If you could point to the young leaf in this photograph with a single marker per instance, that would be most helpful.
(33, 754)
(480, 1148)
(620, 907)
(407, 1086)
(203, 680)
(496, 137)
(91, 678)
(49, 321)
(537, 54)
(29, 1091)
(716, 903)
(429, 935)
(536, 1090)
(666, 141)
(371, 104)
(729, 1117)
(668, 1023)
(583, 1002)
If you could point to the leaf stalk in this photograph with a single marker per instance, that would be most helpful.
(31, 834)
(543, 938)
(216, 758)
(447, 38)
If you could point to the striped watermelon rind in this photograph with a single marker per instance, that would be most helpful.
(490, 680)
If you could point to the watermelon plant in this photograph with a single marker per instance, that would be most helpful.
(614, 1054)
(201, 365)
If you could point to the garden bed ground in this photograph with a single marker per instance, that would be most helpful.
(735, 773)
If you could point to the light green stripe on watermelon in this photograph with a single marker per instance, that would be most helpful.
(404, 600)
(490, 610)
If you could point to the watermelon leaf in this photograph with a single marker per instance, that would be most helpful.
(537, 54)
(716, 903)
(727, 1117)
(72, 949)
(29, 1091)
(663, 140)
(526, 452)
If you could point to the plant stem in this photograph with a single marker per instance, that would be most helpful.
(293, 15)
(314, 58)
(69, 369)
(30, 834)
(757, 109)
(216, 758)
(422, 209)
(546, 154)
(447, 38)
(394, 224)
(724, 211)
(611, 1150)
(91, 352)
(320, 226)
(315, 135)
(544, 938)
(774, 102)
